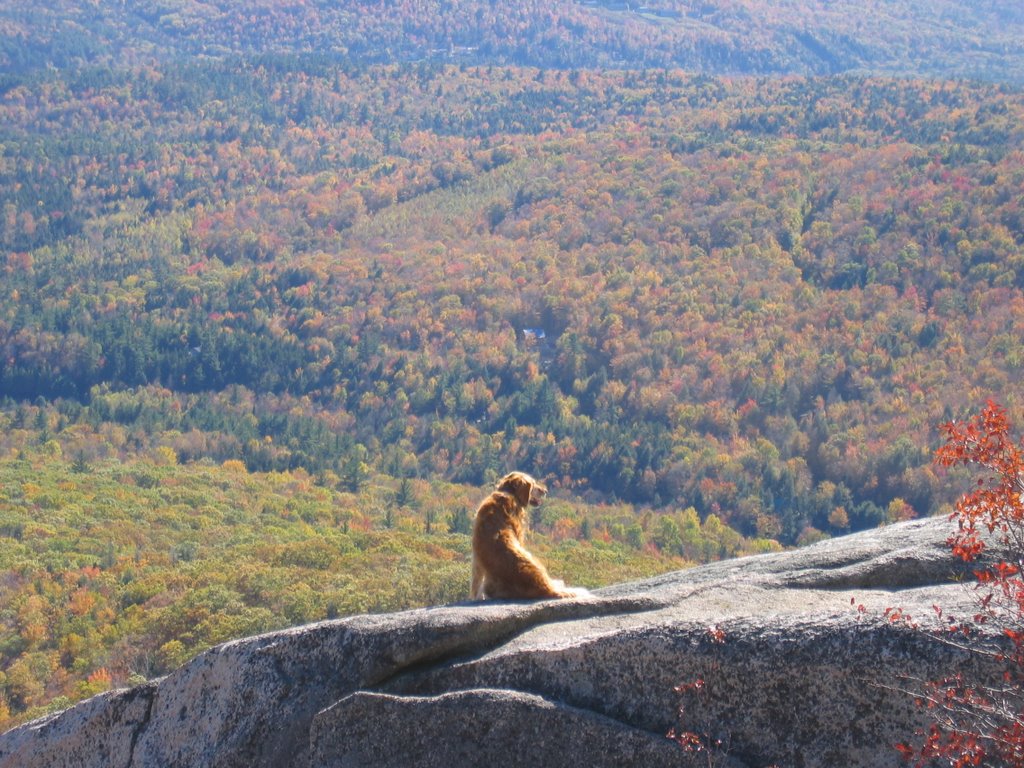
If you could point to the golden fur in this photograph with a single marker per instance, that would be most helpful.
(502, 568)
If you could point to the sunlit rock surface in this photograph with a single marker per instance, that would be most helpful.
(796, 674)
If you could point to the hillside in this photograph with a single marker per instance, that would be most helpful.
(755, 298)
(283, 291)
(941, 38)
(702, 309)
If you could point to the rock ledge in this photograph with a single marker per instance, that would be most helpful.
(802, 679)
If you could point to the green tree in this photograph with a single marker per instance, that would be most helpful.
(460, 522)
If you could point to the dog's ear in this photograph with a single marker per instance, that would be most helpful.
(517, 484)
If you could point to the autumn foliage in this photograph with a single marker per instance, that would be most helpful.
(717, 36)
(979, 722)
(695, 735)
(255, 301)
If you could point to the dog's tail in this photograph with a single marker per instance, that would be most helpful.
(571, 591)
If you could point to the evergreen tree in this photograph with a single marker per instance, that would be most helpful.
(460, 522)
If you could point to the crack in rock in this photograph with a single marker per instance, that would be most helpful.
(484, 727)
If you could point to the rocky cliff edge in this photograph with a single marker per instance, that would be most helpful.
(795, 675)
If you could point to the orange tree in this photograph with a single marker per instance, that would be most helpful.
(982, 722)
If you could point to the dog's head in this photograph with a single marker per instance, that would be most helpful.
(523, 488)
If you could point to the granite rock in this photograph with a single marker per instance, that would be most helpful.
(798, 663)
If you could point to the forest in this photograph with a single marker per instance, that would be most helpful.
(983, 39)
(756, 298)
(273, 319)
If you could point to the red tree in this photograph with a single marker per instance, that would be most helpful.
(982, 723)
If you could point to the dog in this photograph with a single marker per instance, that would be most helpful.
(502, 567)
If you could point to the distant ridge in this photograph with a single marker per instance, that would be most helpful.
(943, 39)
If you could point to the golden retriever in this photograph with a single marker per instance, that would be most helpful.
(502, 567)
